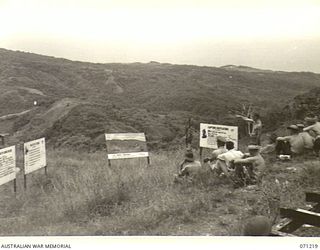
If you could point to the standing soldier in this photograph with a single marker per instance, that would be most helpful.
(256, 128)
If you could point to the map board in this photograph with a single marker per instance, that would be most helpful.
(126, 145)
(7, 164)
(209, 133)
(34, 155)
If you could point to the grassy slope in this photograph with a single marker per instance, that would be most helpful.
(82, 196)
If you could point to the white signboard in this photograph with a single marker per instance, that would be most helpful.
(127, 155)
(34, 155)
(209, 133)
(126, 136)
(126, 145)
(7, 164)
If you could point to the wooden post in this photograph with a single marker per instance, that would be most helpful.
(15, 186)
(289, 226)
(46, 170)
(292, 224)
(109, 161)
(188, 134)
(148, 158)
(301, 216)
(25, 181)
(278, 233)
(2, 140)
(200, 154)
(148, 161)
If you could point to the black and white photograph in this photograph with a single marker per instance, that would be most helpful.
(159, 118)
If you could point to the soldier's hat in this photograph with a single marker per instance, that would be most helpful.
(189, 156)
(221, 138)
(293, 127)
(254, 147)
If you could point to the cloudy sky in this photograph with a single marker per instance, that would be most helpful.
(273, 34)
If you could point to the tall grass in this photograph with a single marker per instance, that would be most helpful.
(83, 196)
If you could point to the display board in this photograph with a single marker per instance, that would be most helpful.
(126, 145)
(34, 155)
(7, 164)
(209, 133)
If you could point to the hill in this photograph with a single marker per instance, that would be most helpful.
(79, 101)
(305, 103)
(295, 110)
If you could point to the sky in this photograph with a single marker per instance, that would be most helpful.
(273, 34)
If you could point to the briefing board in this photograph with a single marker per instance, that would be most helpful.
(34, 155)
(209, 133)
(126, 145)
(7, 164)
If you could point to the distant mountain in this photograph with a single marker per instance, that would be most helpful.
(243, 68)
(79, 101)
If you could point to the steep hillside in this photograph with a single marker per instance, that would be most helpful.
(305, 103)
(155, 98)
(295, 110)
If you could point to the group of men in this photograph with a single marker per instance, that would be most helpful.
(227, 162)
(247, 169)
(303, 138)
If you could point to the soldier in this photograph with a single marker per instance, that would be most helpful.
(291, 144)
(314, 130)
(224, 162)
(249, 169)
(189, 167)
(256, 127)
(307, 138)
(221, 142)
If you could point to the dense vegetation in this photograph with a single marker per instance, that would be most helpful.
(78, 102)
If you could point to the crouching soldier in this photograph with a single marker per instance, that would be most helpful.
(211, 162)
(221, 143)
(224, 161)
(249, 169)
(290, 145)
(188, 168)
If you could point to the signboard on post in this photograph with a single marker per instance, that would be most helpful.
(126, 146)
(8, 165)
(34, 155)
(209, 133)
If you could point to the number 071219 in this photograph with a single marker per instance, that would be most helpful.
(309, 246)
